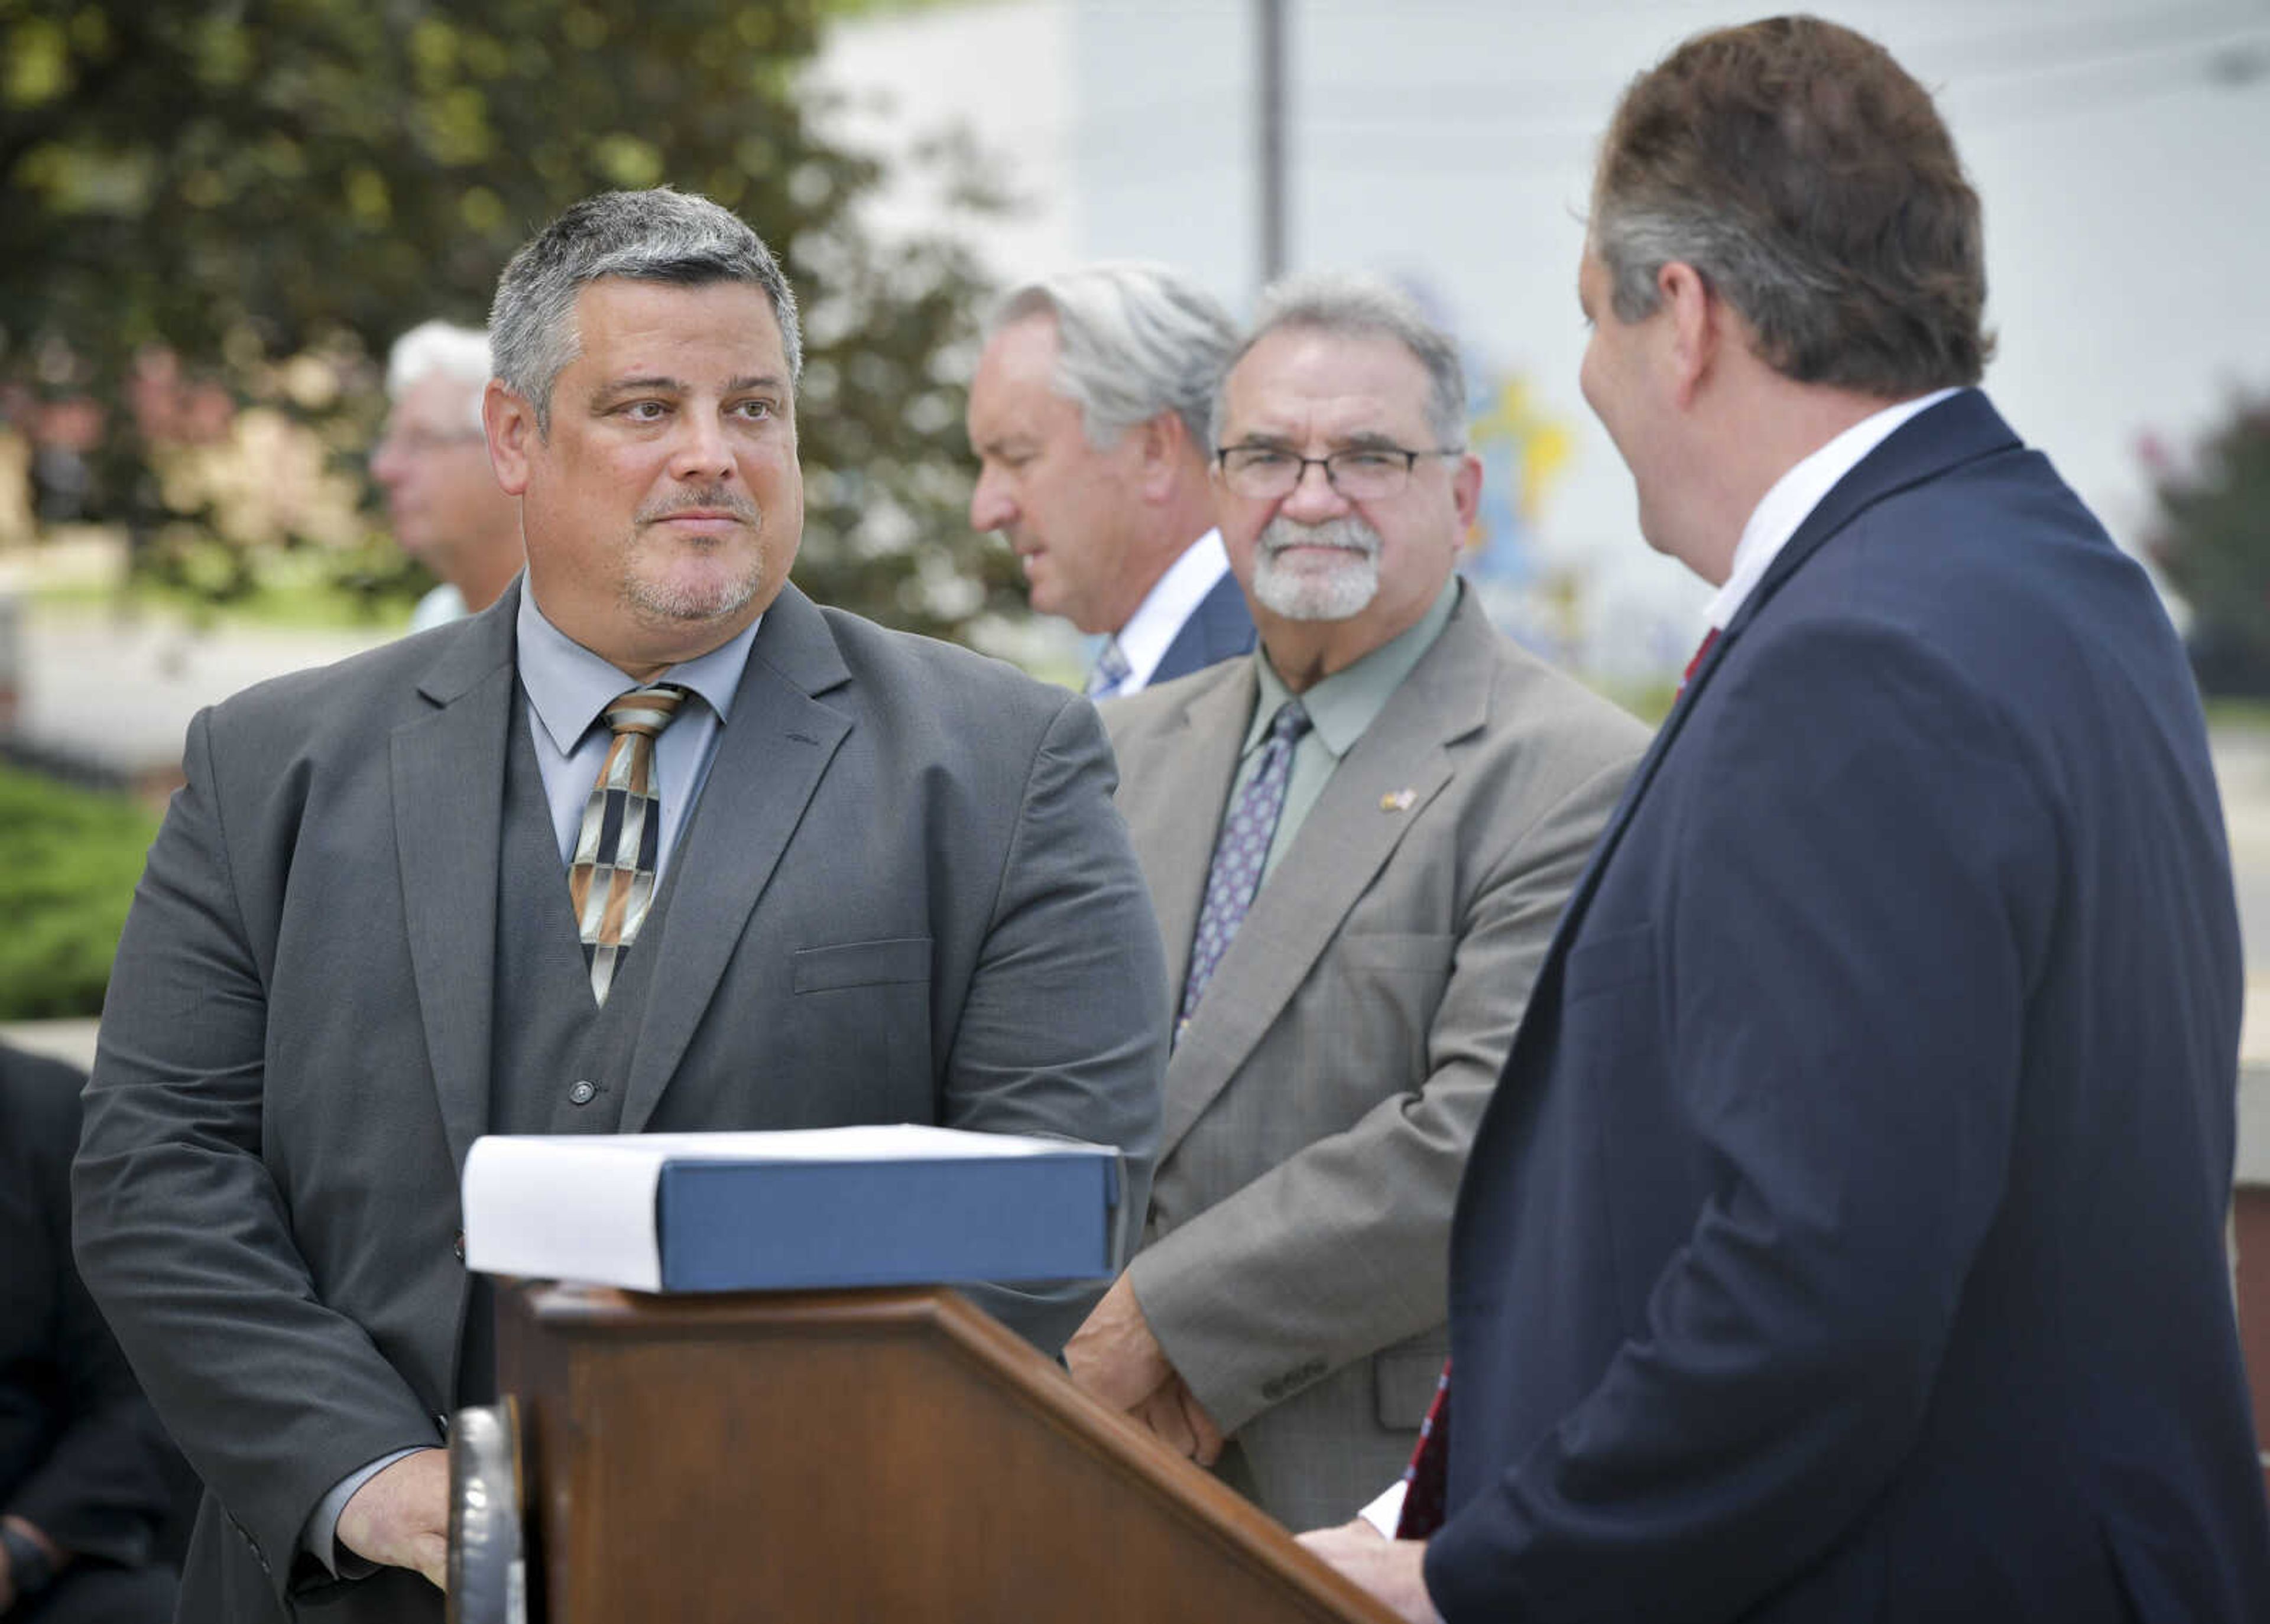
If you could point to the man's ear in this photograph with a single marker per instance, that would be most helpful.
(1466, 492)
(510, 424)
(1696, 328)
(1162, 443)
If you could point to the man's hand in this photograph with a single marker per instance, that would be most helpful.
(58, 1558)
(401, 1517)
(1113, 1355)
(1391, 1569)
(1115, 1358)
(1177, 1416)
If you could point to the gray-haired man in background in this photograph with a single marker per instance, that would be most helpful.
(448, 510)
(1088, 415)
(376, 921)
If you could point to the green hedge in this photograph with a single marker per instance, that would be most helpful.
(73, 858)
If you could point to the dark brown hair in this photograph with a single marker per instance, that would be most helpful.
(1809, 179)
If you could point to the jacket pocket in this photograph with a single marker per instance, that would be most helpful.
(862, 964)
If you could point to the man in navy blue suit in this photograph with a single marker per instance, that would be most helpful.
(1088, 415)
(1845, 1238)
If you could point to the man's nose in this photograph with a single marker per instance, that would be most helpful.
(702, 451)
(1313, 497)
(991, 506)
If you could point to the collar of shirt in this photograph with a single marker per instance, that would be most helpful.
(1152, 629)
(1796, 494)
(569, 686)
(1346, 702)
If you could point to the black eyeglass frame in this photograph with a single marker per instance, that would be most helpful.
(1222, 454)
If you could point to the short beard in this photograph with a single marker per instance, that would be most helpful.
(1336, 593)
(714, 600)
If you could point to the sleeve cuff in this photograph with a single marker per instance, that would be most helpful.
(1386, 1513)
(320, 1538)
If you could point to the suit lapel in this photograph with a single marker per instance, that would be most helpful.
(771, 756)
(1384, 783)
(1192, 763)
(1960, 429)
(448, 774)
(1218, 628)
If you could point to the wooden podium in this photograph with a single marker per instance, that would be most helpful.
(885, 1455)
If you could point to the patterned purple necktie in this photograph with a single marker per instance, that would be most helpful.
(1240, 851)
(611, 876)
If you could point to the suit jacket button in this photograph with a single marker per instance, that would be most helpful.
(583, 1094)
(458, 1246)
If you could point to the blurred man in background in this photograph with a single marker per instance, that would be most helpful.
(1088, 415)
(432, 461)
(85, 1472)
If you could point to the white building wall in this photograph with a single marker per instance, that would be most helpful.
(2118, 144)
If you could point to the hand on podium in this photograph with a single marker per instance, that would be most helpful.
(1174, 1414)
(1391, 1569)
(401, 1517)
(1114, 1358)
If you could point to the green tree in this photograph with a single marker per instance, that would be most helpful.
(2213, 541)
(244, 185)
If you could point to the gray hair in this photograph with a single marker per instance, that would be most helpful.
(1132, 340)
(1361, 307)
(1775, 289)
(651, 236)
(436, 349)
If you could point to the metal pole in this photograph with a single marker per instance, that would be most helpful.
(1269, 20)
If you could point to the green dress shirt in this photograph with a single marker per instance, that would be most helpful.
(1339, 708)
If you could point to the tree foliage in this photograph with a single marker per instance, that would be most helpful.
(2213, 542)
(265, 192)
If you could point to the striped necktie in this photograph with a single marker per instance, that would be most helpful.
(1426, 1481)
(611, 879)
(1696, 664)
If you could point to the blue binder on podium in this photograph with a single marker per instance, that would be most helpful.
(898, 1205)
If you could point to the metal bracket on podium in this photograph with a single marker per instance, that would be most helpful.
(488, 1564)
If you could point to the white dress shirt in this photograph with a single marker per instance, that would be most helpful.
(1794, 496)
(1158, 620)
(568, 690)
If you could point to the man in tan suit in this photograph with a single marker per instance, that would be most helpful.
(1358, 841)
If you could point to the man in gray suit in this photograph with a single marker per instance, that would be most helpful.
(1391, 802)
(436, 891)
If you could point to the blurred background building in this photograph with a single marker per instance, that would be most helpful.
(2116, 144)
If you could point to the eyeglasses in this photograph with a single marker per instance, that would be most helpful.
(1361, 474)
